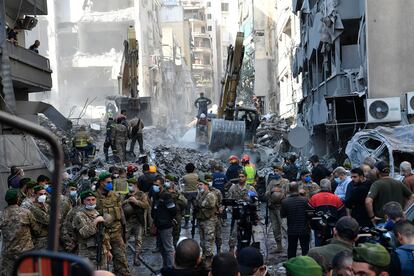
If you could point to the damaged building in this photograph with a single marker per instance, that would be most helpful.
(355, 69)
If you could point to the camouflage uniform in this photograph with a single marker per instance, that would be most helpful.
(310, 188)
(274, 200)
(121, 186)
(238, 193)
(119, 140)
(206, 205)
(110, 205)
(17, 225)
(181, 203)
(85, 232)
(27, 202)
(136, 221)
(217, 232)
(41, 214)
(65, 208)
(68, 238)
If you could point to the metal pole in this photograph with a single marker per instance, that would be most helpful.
(38, 131)
(8, 91)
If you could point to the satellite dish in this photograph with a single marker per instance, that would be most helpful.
(378, 109)
(298, 137)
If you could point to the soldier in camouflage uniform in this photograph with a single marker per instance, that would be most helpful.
(220, 209)
(17, 225)
(109, 205)
(307, 187)
(27, 196)
(239, 192)
(206, 214)
(276, 191)
(181, 203)
(120, 138)
(40, 210)
(85, 223)
(68, 238)
(134, 205)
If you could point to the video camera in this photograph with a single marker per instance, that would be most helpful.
(375, 235)
(323, 222)
(242, 209)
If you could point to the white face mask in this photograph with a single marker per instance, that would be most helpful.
(131, 189)
(93, 187)
(85, 177)
(90, 207)
(41, 199)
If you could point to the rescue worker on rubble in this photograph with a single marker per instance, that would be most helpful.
(232, 173)
(135, 205)
(276, 191)
(206, 214)
(180, 202)
(121, 183)
(218, 225)
(250, 170)
(85, 223)
(17, 225)
(40, 210)
(83, 142)
(239, 191)
(202, 104)
(136, 126)
(108, 139)
(109, 205)
(120, 138)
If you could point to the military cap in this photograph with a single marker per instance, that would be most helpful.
(202, 180)
(32, 183)
(11, 196)
(303, 266)
(132, 181)
(38, 188)
(171, 177)
(371, 253)
(72, 184)
(87, 193)
(104, 175)
(208, 177)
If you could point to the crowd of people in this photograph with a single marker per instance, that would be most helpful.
(356, 216)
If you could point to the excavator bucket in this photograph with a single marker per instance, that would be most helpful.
(227, 134)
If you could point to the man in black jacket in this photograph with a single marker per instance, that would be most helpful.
(294, 209)
(356, 193)
(163, 212)
(319, 171)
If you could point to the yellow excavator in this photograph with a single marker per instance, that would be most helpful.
(234, 125)
(128, 98)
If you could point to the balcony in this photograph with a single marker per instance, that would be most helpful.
(27, 7)
(29, 70)
(198, 66)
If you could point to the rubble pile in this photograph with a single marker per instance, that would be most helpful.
(172, 160)
(157, 136)
(60, 134)
(271, 130)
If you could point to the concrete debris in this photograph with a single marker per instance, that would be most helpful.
(271, 130)
(172, 160)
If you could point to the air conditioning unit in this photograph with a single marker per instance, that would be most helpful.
(382, 110)
(410, 102)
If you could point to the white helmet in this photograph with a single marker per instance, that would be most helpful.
(202, 116)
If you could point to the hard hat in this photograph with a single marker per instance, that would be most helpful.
(132, 168)
(245, 158)
(202, 116)
(153, 169)
(233, 159)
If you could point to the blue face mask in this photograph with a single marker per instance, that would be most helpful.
(156, 188)
(109, 186)
(49, 190)
(276, 176)
(338, 180)
(308, 179)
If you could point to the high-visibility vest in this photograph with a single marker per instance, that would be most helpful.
(81, 139)
(121, 186)
(251, 174)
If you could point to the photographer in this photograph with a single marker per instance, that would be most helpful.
(403, 263)
(328, 205)
(239, 192)
(345, 233)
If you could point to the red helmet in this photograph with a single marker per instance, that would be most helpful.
(132, 168)
(245, 158)
(233, 159)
